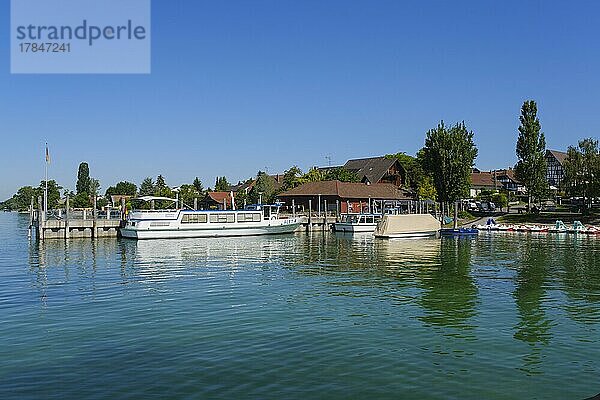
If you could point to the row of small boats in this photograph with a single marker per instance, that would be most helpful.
(559, 227)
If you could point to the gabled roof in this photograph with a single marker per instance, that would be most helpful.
(373, 169)
(482, 179)
(559, 155)
(220, 196)
(348, 190)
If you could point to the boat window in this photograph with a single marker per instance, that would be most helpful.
(193, 218)
(369, 220)
(249, 217)
(222, 218)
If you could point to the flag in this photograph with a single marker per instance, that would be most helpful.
(47, 155)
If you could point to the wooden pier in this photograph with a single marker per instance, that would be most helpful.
(70, 224)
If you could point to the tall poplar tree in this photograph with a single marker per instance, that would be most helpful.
(83, 179)
(531, 152)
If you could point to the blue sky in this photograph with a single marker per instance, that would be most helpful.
(241, 86)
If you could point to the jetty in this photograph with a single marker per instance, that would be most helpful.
(74, 223)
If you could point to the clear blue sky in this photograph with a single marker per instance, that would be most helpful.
(248, 85)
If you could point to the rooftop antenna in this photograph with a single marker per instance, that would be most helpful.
(328, 158)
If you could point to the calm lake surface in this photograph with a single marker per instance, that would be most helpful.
(327, 316)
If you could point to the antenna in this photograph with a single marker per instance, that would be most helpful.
(328, 158)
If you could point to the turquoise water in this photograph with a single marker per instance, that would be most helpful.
(325, 316)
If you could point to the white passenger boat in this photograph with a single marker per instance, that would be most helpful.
(357, 223)
(165, 224)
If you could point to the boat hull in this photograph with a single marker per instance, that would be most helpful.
(342, 227)
(220, 231)
(408, 235)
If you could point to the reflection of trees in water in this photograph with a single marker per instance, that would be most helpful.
(534, 327)
(581, 278)
(450, 294)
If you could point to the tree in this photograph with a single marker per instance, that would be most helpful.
(147, 187)
(123, 188)
(222, 185)
(426, 189)
(81, 200)
(341, 174)
(292, 178)
(414, 170)
(83, 178)
(94, 187)
(531, 152)
(264, 189)
(161, 189)
(313, 175)
(21, 200)
(53, 192)
(448, 155)
(582, 171)
(500, 200)
(187, 194)
(198, 185)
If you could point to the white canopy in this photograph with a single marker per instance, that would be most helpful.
(150, 198)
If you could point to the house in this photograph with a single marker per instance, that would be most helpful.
(482, 181)
(348, 196)
(216, 201)
(247, 185)
(494, 180)
(506, 177)
(378, 170)
(555, 171)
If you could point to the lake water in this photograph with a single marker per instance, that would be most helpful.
(326, 316)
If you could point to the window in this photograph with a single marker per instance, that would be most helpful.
(193, 218)
(222, 218)
(249, 217)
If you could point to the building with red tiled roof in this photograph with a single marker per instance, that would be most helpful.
(349, 196)
(216, 200)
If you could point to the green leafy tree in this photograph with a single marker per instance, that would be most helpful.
(264, 187)
(414, 170)
(53, 192)
(222, 185)
(582, 171)
(81, 200)
(449, 155)
(241, 197)
(341, 174)
(292, 178)
(198, 185)
(500, 200)
(161, 189)
(313, 175)
(21, 200)
(147, 187)
(426, 189)
(123, 188)
(187, 194)
(94, 187)
(83, 179)
(531, 152)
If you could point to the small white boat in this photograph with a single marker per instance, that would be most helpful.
(357, 223)
(538, 229)
(166, 224)
(407, 226)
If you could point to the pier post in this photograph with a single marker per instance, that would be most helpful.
(124, 208)
(195, 203)
(94, 218)
(293, 208)
(325, 217)
(337, 209)
(319, 206)
(108, 212)
(67, 232)
(41, 218)
(309, 215)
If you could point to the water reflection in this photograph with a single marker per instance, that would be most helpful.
(449, 292)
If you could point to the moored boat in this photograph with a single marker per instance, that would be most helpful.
(459, 232)
(166, 224)
(357, 223)
(407, 226)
